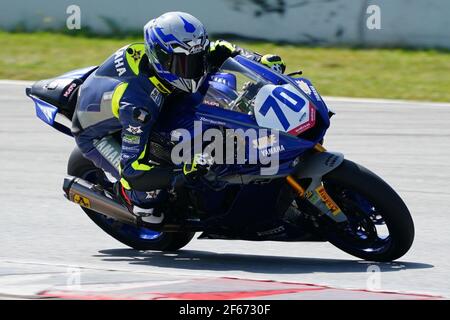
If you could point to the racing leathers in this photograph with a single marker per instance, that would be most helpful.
(117, 108)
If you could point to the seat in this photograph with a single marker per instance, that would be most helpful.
(62, 91)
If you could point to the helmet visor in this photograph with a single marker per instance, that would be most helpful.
(190, 66)
(187, 66)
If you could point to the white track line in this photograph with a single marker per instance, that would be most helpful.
(196, 274)
(386, 101)
(15, 82)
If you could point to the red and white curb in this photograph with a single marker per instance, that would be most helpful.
(227, 289)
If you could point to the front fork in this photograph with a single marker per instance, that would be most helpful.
(316, 194)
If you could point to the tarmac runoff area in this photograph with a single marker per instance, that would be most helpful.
(51, 250)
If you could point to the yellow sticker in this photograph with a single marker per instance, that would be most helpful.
(82, 201)
(328, 201)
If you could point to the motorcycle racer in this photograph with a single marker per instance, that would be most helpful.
(120, 102)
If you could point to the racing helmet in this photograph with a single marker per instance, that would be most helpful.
(176, 44)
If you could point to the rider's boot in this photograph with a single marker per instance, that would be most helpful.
(150, 214)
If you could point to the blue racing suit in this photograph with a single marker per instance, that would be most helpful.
(117, 107)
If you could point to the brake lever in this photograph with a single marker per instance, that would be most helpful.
(298, 72)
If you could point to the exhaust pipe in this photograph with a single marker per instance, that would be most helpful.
(91, 197)
(88, 195)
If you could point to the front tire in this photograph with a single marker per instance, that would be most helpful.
(350, 184)
(135, 237)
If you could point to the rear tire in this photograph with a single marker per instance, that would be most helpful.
(394, 211)
(79, 166)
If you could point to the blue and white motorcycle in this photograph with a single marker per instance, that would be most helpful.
(315, 195)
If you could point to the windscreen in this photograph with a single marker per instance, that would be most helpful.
(234, 87)
(282, 107)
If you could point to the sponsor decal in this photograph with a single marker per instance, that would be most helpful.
(119, 62)
(316, 94)
(221, 123)
(128, 138)
(82, 201)
(123, 103)
(220, 80)
(264, 142)
(175, 135)
(228, 146)
(152, 194)
(306, 124)
(70, 90)
(131, 149)
(161, 88)
(331, 161)
(135, 54)
(108, 151)
(313, 197)
(304, 86)
(134, 130)
(52, 85)
(328, 201)
(203, 159)
(141, 115)
(271, 231)
(211, 103)
(157, 97)
(196, 49)
(107, 96)
(272, 150)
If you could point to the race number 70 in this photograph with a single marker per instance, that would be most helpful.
(286, 98)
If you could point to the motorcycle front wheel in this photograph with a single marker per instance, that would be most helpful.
(379, 226)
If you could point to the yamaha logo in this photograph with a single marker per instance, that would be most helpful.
(195, 49)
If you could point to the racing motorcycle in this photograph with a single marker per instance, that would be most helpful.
(315, 194)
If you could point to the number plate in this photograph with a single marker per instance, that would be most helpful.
(284, 108)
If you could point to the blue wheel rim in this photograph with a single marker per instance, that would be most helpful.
(365, 222)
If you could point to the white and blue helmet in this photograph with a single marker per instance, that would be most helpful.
(176, 44)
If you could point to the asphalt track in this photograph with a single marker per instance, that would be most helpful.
(49, 248)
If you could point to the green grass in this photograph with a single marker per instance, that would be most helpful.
(378, 73)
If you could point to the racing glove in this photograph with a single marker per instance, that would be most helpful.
(220, 51)
(274, 62)
(192, 171)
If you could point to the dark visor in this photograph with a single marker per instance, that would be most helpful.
(190, 66)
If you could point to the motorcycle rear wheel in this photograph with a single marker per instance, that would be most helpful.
(137, 238)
